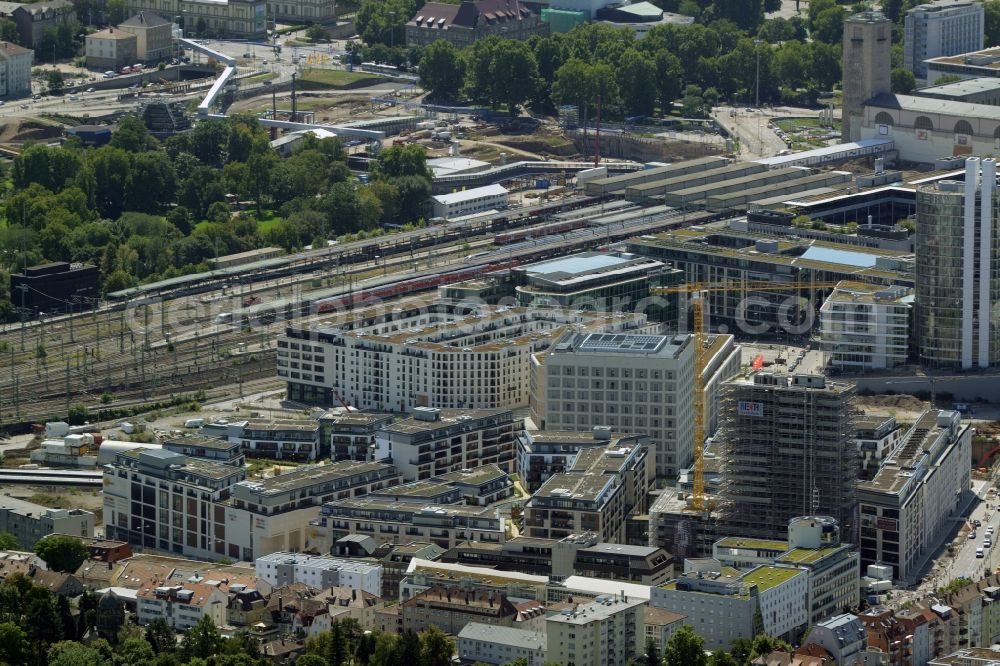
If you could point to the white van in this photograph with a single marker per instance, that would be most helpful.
(194, 423)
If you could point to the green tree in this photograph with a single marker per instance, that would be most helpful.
(201, 640)
(501, 71)
(722, 658)
(112, 171)
(947, 78)
(77, 415)
(637, 81)
(61, 552)
(41, 618)
(66, 619)
(8, 31)
(685, 648)
(317, 33)
(903, 81)
(742, 650)
(652, 655)
(131, 135)
(441, 69)
(991, 21)
(764, 644)
(8, 541)
(134, 652)
(311, 660)
(160, 636)
(829, 25)
(436, 647)
(399, 161)
(71, 653)
(54, 78)
(669, 79)
(116, 11)
(14, 646)
(337, 648)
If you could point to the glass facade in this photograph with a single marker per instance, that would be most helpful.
(940, 256)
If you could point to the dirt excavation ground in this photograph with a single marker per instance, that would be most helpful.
(906, 408)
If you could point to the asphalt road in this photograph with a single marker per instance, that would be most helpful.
(964, 562)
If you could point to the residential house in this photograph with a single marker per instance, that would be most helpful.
(451, 608)
(182, 606)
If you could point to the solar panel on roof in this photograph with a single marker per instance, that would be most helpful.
(622, 343)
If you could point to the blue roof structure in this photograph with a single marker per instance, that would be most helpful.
(845, 257)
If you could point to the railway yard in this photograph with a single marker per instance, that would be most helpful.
(160, 343)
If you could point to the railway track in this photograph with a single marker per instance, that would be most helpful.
(136, 370)
(50, 477)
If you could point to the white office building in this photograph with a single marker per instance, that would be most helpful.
(440, 354)
(492, 644)
(605, 632)
(913, 500)
(319, 572)
(940, 29)
(467, 202)
(866, 327)
(814, 545)
(640, 384)
(723, 608)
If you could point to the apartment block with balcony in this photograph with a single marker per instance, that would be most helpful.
(866, 327)
(580, 555)
(428, 353)
(876, 436)
(422, 575)
(607, 631)
(203, 509)
(280, 440)
(207, 448)
(602, 488)
(274, 514)
(351, 435)
(907, 507)
(437, 441)
(542, 453)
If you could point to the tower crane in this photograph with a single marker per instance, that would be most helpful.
(695, 291)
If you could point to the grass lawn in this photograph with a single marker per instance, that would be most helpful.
(333, 78)
(260, 78)
(793, 124)
(268, 223)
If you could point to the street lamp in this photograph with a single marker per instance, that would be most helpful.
(756, 45)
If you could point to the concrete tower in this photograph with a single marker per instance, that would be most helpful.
(958, 286)
(867, 63)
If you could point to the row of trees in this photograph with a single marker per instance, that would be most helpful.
(141, 210)
(633, 77)
(687, 648)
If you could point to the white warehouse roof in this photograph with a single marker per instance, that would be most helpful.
(468, 195)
